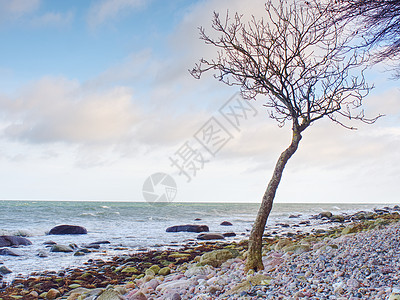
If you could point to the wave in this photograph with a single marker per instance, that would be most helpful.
(87, 214)
(20, 232)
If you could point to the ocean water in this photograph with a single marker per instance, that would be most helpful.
(132, 226)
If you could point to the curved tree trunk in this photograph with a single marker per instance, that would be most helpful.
(254, 253)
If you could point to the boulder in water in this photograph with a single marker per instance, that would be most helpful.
(61, 248)
(11, 252)
(188, 228)
(226, 223)
(4, 270)
(68, 229)
(210, 236)
(100, 242)
(229, 234)
(7, 241)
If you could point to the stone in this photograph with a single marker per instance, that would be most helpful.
(178, 255)
(282, 243)
(244, 286)
(137, 296)
(216, 258)
(210, 236)
(188, 228)
(150, 272)
(121, 289)
(100, 243)
(79, 253)
(61, 248)
(84, 293)
(7, 241)
(349, 229)
(174, 285)
(74, 286)
(85, 250)
(164, 271)
(52, 294)
(110, 294)
(394, 296)
(68, 229)
(361, 215)
(325, 214)
(153, 283)
(33, 294)
(337, 218)
(305, 222)
(198, 270)
(92, 246)
(226, 223)
(353, 283)
(73, 246)
(294, 216)
(42, 253)
(130, 270)
(176, 296)
(297, 249)
(4, 270)
(49, 243)
(155, 269)
(212, 289)
(11, 252)
(229, 234)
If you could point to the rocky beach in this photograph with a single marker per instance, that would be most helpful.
(355, 256)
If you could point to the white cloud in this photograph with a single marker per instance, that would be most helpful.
(57, 110)
(17, 8)
(53, 19)
(106, 10)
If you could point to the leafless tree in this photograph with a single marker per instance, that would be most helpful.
(302, 68)
(377, 22)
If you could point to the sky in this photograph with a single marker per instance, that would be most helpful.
(95, 97)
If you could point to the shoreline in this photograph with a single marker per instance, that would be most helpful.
(276, 251)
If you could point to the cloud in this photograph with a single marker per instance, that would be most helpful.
(17, 8)
(106, 10)
(57, 110)
(53, 19)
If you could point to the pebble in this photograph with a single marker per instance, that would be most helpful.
(334, 272)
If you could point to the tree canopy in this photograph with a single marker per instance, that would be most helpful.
(377, 22)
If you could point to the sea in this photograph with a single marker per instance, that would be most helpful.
(135, 226)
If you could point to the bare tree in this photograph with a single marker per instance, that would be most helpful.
(301, 66)
(377, 22)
